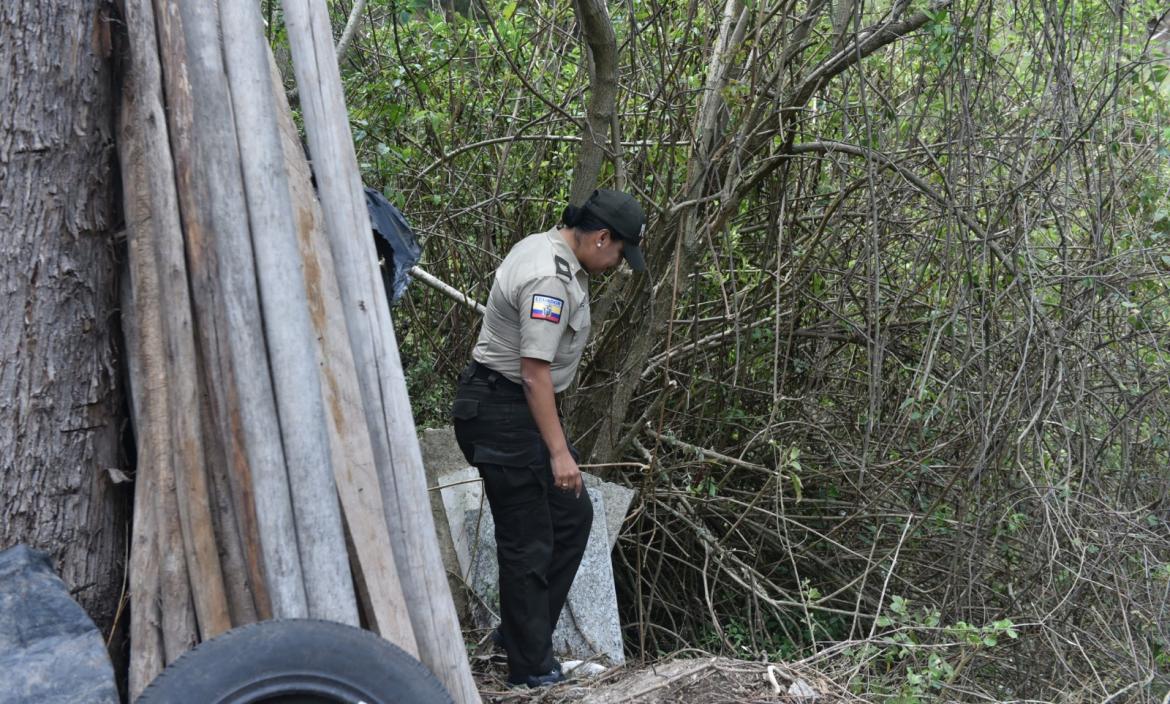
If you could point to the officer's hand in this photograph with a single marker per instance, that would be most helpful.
(566, 473)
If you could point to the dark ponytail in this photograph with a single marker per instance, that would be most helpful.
(571, 216)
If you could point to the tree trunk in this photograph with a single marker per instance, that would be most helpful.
(60, 400)
(601, 53)
(608, 405)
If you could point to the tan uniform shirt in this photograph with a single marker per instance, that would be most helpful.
(538, 307)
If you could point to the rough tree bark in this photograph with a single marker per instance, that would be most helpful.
(60, 400)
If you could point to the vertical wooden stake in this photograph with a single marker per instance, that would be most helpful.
(195, 115)
(371, 334)
(146, 655)
(353, 460)
(287, 329)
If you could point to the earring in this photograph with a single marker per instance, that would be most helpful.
(599, 244)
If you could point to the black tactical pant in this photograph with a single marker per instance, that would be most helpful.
(541, 531)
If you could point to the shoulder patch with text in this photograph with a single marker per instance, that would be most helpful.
(546, 308)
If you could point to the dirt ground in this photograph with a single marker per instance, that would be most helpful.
(680, 680)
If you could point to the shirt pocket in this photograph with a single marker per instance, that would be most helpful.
(574, 339)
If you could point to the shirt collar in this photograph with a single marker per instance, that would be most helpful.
(562, 249)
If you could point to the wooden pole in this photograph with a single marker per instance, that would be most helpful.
(180, 631)
(146, 656)
(194, 508)
(146, 647)
(229, 535)
(159, 583)
(288, 331)
(371, 334)
(353, 460)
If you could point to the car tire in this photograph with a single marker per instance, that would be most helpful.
(296, 661)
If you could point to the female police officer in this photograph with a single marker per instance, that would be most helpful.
(506, 421)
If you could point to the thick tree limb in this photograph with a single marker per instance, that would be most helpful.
(865, 43)
(597, 30)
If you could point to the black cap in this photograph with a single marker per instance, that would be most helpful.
(625, 219)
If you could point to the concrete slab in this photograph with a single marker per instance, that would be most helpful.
(617, 504)
(589, 625)
(441, 455)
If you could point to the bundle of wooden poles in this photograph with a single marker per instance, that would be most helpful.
(279, 473)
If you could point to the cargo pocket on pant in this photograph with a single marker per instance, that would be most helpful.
(508, 452)
(488, 434)
(465, 409)
(463, 415)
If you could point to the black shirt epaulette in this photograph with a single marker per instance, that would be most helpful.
(563, 270)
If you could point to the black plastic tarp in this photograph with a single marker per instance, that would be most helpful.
(50, 651)
(395, 241)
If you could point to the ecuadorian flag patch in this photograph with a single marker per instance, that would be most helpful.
(546, 308)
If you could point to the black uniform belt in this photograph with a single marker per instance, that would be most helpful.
(496, 380)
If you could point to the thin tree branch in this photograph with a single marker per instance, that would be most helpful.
(866, 43)
(351, 25)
